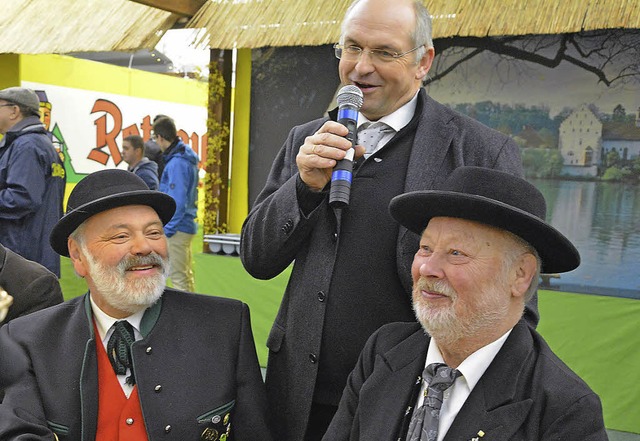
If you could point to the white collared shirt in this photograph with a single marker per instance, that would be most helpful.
(104, 324)
(396, 120)
(472, 369)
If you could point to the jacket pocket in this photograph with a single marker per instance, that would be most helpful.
(276, 337)
(216, 423)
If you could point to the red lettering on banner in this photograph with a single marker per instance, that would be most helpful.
(183, 136)
(130, 130)
(112, 117)
(146, 127)
(203, 150)
(194, 141)
(104, 138)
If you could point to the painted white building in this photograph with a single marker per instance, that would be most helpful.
(580, 138)
(622, 137)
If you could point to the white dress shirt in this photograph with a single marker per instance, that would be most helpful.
(396, 120)
(472, 368)
(104, 324)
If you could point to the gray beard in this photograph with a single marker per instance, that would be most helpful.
(446, 325)
(129, 295)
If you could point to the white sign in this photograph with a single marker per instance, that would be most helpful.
(88, 126)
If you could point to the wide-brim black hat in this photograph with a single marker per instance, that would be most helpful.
(493, 198)
(104, 190)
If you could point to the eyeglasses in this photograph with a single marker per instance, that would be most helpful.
(353, 53)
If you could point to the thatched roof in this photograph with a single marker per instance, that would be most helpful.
(58, 26)
(259, 23)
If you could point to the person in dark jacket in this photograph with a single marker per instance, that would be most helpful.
(32, 179)
(351, 267)
(131, 359)
(25, 287)
(180, 181)
(31, 285)
(472, 369)
(133, 154)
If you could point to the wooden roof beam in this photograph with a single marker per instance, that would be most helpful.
(184, 8)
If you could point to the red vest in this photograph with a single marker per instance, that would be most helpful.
(115, 411)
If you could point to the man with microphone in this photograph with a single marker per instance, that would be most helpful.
(344, 285)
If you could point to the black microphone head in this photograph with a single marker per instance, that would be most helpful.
(350, 95)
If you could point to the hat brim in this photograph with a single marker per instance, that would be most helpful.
(162, 203)
(414, 211)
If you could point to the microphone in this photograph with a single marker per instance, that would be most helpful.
(350, 100)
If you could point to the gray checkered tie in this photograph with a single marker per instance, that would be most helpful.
(425, 419)
(370, 134)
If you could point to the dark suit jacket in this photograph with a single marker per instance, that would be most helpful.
(196, 360)
(527, 393)
(31, 285)
(276, 233)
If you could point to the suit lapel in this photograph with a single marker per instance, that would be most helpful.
(430, 146)
(388, 391)
(89, 380)
(495, 406)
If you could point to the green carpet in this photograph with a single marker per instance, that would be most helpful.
(599, 338)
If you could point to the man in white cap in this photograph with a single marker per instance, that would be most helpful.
(32, 179)
(472, 369)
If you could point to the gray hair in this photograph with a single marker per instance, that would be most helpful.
(421, 34)
(78, 234)
(523, 247)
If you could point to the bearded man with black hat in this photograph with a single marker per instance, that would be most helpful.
(32, 179)
(471, 369)
(131, 359)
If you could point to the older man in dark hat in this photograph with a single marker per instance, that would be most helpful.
(130, 360)
(32, 179)
(479, 372)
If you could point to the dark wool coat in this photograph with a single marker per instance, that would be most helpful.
(277, 233)
(195, 363)
(526, 394)
(31, 285)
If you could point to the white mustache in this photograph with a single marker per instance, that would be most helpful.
(133, 261)
(438, 287)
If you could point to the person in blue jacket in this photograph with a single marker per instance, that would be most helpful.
(32, 179)
(179, 180)
(133, 154)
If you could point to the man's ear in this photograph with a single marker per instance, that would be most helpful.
(77, 258)
(425, 64)
(525, 270)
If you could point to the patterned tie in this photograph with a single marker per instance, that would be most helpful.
(370, 134)
(425, 420)
(119, 349)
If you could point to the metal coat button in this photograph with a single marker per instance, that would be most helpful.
(148, 350)
(129, 421)
(313, 358)
(158, 388)
(321, 296)
(167, 428)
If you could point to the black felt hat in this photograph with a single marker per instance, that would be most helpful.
(493, 198)
(104, 190)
